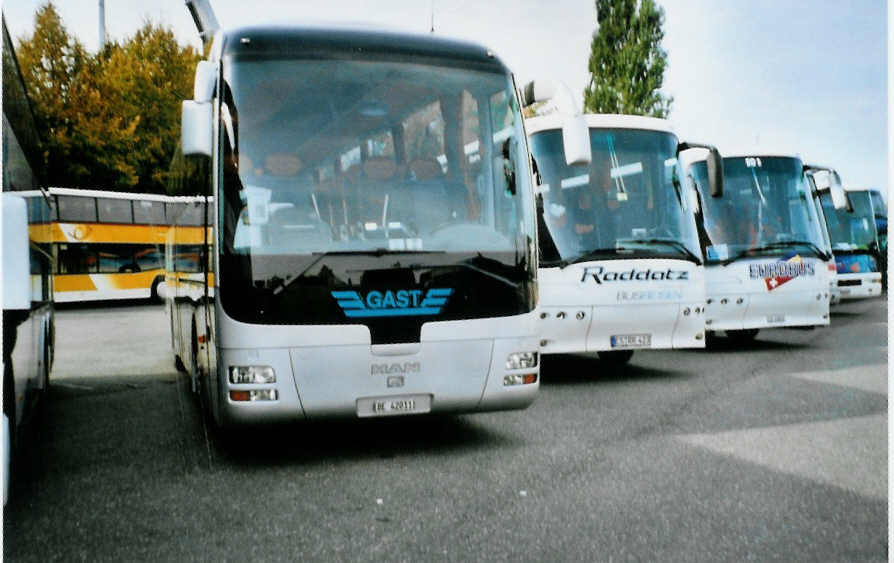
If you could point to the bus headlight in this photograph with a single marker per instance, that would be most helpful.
(252, 374)
(521, 360)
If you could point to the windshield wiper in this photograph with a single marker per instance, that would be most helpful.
(773, 246)
(590, 255)
(377, 252)
(691, 256)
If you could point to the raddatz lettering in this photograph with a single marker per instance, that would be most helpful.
(599, 274)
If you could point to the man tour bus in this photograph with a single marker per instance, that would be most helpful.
(621, 268)
(855, 244)
(374, 243)
(765, 263)
(822, 179)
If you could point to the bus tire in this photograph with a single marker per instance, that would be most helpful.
(615, 358)
(153, 291)
(742, 336)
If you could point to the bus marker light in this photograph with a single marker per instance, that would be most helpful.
(252, 374)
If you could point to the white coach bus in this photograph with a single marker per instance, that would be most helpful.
(766, 266)
(621, 268)
(374, 242)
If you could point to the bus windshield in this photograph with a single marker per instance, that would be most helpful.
(850, 230)
(337, 168)
(765, 209)
(627, 203)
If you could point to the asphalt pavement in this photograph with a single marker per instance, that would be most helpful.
(774, 452)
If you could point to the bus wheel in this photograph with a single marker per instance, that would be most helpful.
(615, 357)
(742, 336)
(153, 292)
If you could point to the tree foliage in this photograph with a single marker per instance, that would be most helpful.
(109, 120)
(627, 62)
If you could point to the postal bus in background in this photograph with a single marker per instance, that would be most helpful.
(823, 179)
(110, 245)
(620, 264)
(855, 244)
(373, 248)
(28, 314)
(766, 266)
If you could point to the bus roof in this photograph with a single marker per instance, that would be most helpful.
(600, 120)
(316, 40)
(111, 195)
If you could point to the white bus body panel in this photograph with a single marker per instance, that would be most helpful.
(577, 314)
(859, 286)
(739, 300)
(460, 364)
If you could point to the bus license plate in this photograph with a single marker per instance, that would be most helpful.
(632, 341)
(390, 406)
(775, 318)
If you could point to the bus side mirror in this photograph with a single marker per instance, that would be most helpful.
(715, 172)
(16, 248)
(195, 128)
(839, 197)
(714, 163)
(576, 141)
(203, 87)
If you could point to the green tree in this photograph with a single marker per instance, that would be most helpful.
(110, 120)
(627, 62)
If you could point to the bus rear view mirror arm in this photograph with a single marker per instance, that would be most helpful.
(714, 163)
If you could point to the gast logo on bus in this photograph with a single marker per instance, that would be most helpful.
(599, 274)
(400, 303)
(777, 273)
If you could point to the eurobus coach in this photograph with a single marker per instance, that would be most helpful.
(822, 179)
(374, 243)
(620, 263)
(766, 266)
(110, 245)
(28, 315)
(855, 244)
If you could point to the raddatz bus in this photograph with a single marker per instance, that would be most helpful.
(822, 180)
(374, 243)
(621, 268)
(765, 263)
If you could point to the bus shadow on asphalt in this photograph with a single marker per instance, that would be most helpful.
(723, 344)
(333, 441)
(570, 369)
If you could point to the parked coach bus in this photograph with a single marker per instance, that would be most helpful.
(28, 316)
(820, 180)
(855, 244)
(621, 268)
(373, 218)
(766, 266)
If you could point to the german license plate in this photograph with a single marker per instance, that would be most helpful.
(391, 406)
(775, 318)
(632, 341)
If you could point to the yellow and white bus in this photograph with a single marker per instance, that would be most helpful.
(110, 245)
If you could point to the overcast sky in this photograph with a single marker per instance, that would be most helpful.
(797, 76)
